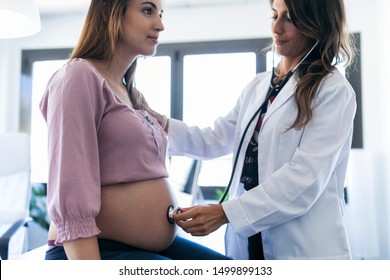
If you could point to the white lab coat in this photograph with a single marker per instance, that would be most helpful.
(298, 205)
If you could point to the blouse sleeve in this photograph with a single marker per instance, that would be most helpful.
(73, 107)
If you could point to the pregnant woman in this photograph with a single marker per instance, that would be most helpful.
(108, 193)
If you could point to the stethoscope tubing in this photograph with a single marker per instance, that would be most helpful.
(227, 189)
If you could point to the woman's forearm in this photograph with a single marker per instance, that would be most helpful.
(82, 249)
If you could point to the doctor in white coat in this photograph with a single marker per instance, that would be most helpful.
(303, 143)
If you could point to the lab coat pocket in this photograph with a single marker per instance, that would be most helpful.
(289, 140)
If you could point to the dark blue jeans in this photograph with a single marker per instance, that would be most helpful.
(180, 249)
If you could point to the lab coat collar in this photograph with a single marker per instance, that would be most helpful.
(285, 94)
(261, 89)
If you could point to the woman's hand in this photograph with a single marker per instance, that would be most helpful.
(201, 220)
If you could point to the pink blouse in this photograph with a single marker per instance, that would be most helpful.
(94, 140)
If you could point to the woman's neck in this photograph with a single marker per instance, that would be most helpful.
(111, 71)
(285, 66)
(115, 68)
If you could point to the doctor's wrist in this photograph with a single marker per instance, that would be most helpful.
(163, 120)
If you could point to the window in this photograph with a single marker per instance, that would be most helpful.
(153, 79)
(212, 83)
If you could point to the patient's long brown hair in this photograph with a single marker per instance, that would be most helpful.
(323, 21)
(100, 35)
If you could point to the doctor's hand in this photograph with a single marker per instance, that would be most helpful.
(201, 220)
(139, 101)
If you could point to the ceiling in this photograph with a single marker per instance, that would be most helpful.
(47, 7)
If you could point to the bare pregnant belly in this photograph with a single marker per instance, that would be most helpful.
(136, 214)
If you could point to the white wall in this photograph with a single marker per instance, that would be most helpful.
(370, 18)
(383, 152)
(368, 211)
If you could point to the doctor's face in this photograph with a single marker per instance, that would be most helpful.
(289, 41)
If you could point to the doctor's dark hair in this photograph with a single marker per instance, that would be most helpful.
(100, 35)
(325, 22)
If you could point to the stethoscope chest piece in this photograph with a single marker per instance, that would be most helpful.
(170, 211)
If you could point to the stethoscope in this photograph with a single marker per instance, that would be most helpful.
(171, 211)
(176, 210)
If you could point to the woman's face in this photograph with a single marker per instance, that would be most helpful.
(141, 26)
(290, 42)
